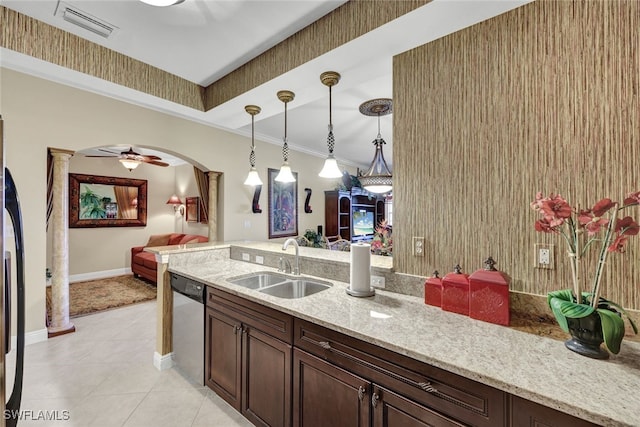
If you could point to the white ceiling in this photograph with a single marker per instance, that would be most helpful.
(202, 40)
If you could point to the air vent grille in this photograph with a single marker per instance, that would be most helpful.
(84, 20)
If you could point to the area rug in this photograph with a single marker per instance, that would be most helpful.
(104, 294)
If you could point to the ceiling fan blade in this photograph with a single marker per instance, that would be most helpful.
(108, 151)
(150, 157)
(157, 163)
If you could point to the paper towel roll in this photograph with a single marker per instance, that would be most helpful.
(360, 267)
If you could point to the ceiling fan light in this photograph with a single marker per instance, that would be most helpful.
(330, 168)
(130, 164)
(162, 3)
(253, 178)
(285, 174)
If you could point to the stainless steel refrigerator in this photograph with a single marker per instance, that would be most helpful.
(11, 399)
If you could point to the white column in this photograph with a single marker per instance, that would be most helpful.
(59, 224)
(213, 206)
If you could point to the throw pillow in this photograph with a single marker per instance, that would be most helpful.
(158, 240)
(196, 240)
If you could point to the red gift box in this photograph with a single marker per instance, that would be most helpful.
(489, 295)
(455, 292)
(433, 290)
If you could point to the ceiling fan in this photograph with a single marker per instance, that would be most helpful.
(130, 159)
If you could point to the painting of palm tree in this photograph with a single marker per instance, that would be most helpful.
(94, 200)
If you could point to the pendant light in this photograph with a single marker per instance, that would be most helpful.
(253, 178)
(377, 179)
(330, 168)
(285, 174)
(162, 3)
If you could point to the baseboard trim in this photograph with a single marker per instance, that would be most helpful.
(99, 275)
(162, 362)
(31, 337)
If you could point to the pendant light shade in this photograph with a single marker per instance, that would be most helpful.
(378, 178)
(162, 3)
(253, 178)
(330, 168)
(130, 164)
(285, 174)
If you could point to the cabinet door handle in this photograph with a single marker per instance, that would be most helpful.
(426, 386)
(244, 330)
(361, 392)
(325, 345)
(236, 328)
(374, 399)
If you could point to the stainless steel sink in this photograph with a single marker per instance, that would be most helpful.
(297, 288)
(280, 285)
(258, 280)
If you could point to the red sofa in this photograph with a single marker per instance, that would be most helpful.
(143, 264)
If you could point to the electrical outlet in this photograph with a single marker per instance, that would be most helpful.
(543, 256)
(418, 246)
(259, 259)
(377, 282)
(246, 256)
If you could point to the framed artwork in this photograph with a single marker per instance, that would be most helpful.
(193, 209)
(105, 201)
(283, 206)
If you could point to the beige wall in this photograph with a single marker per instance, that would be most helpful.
(103, 249)
(543, 98)
(40, 114)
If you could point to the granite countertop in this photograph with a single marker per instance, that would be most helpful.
(533, 367)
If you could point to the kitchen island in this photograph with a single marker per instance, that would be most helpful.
(538, 369)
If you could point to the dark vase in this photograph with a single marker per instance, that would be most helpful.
(586, 336)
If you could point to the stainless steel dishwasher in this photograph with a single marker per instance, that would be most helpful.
(188, 326)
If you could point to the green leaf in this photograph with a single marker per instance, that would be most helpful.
(612, 329)
(563, 294)
(575, 311)
(555, 303)
(623, 311)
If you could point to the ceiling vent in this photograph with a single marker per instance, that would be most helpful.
(82, 19)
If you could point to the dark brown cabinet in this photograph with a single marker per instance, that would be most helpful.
(525, 413)
(246, 365)
(339, 208)
(441, 397)
(392, 410)
(224, 357)
(325, 395)
(281, 371)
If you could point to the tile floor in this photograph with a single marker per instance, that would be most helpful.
(103, 375)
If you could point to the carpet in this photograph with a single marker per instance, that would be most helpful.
(103, 294)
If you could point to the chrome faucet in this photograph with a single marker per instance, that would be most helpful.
(284, 265)
(296, 270)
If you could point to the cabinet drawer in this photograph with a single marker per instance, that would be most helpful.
(525, 413)
(465, 400)
(272, 322)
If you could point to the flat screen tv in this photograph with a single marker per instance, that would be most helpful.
(363, 222)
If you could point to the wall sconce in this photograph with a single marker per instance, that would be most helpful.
(177, 204)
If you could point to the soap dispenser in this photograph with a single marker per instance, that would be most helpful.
(455, 291)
